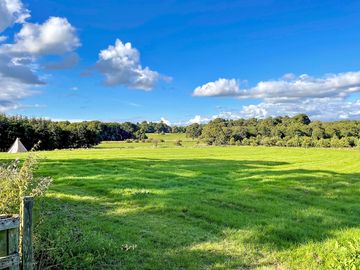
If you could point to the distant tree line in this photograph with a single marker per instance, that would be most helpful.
(297, 131)
(49, 135)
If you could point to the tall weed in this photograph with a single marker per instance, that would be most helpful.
(18, 180)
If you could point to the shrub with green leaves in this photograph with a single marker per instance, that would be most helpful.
(18, 180)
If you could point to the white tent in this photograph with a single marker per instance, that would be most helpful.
(17, 147)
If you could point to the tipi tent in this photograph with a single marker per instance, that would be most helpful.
(17, 147)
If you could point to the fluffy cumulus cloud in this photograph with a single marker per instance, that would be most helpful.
(19, 60)
(55, 36)
(165, 121)
(17, 80)
(326, 98)
(12, 11)
(305, 86)
(289, 87)
(198, 119)
(318, 108)
(18, 69)
(220, 87)
(120, 64)
(13, 90)
(3, 38)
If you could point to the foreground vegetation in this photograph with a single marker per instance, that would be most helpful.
(172, 207)
(17, 181)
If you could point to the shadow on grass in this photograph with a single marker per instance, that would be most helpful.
(187, 214)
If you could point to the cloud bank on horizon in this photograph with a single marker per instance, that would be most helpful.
(323, 98)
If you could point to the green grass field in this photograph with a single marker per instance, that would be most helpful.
(192, 207)
(168, 139)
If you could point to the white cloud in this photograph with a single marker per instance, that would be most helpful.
(17, 80)
(19, 61)
(121, 66)
(318, 108)
(288, 77)
(3, 38)
(289, 87)
(198, 119)
(305, 86)
(55, 36)
(220, 87)
(75, 120)
(325, 98)
(12, 11)
(20, 69)
(12, 91)
(165, 121)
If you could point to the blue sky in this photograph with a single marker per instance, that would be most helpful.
(189, 61)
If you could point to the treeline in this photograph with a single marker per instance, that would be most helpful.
(49, 135)
(297, 131)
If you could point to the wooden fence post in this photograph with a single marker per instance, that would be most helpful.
(9, 242)
(26, 233)
(13, 245)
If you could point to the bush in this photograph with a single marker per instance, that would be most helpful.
(245, 141)
(265, 141)
(293, 142)
(357, 142)
(339, 143)
(232, 141)
(280, 143)
(254, 141)
(352, 141)
(307, 142)
(128, 141)
(325, 143)
(345, 142)
(335, 142)
(17, 181)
